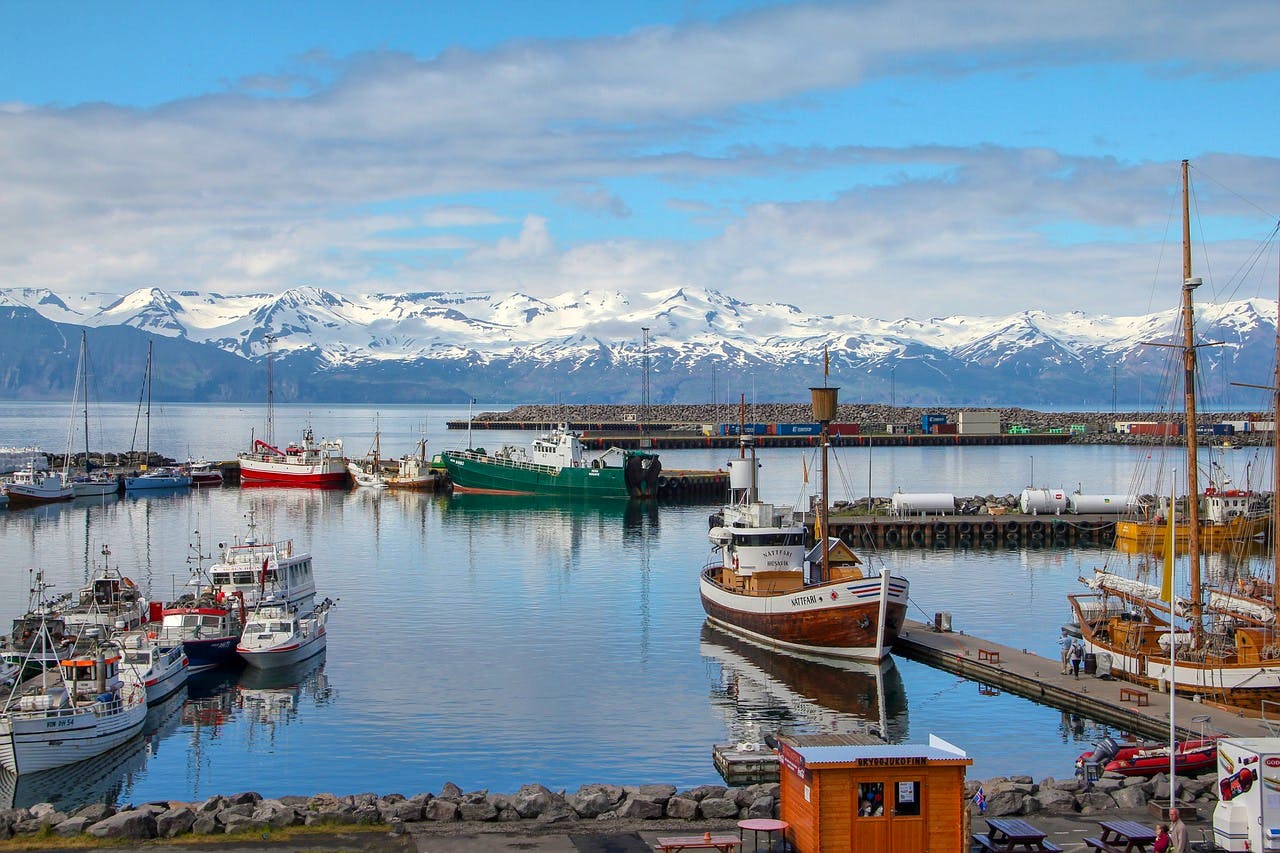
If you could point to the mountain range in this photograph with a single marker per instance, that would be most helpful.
(700, 345)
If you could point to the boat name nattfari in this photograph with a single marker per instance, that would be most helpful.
(804, 599)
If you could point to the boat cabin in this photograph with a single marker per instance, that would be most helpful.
(193, 623)
(252, 569)
(1222, 505)
(89, 674)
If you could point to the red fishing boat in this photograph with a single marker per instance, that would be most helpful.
(305, 463)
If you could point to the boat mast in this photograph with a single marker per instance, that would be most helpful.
(1189, 285)
(824, 412)
(84, 361)
(146, 462)
(271, 394)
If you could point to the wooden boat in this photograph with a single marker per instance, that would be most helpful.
(765, 586)
(1156, 641)
(554, 464)
(64, 715)
(279, 634)
(414, 472)
(368, 474)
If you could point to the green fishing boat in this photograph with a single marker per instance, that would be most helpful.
(554, 464)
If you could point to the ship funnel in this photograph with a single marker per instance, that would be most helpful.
(824, 404)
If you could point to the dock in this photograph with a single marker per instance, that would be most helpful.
(1011, 530)
(997, 667)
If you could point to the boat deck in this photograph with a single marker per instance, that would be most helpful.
(998, 667)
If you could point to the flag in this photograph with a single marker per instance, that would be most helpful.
(980, 800)
(826, 361)
(1170, 551)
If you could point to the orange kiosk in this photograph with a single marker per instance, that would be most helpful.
(858, 794)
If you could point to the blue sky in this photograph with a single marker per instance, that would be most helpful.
(885, 159)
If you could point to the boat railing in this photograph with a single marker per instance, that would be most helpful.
(238, 554)
(505, 463)
(1271, 716)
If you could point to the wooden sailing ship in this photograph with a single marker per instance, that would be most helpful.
(1219, 643)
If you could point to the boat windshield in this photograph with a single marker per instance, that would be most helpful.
(767, 540)
(282, 627)
(254, 628)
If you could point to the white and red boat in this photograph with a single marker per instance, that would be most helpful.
(32, 486)
(306, 463)
(764, 586)
(1191, 757)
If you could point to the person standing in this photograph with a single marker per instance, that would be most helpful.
(1178, 842)
(1161, 844)
(1077, 657)
(1065, 642)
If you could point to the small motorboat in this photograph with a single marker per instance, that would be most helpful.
(158, 668)
(1194, 756)
(280, 634)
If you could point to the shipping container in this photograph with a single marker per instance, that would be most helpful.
(798, 429)
(1154, 428)
(984, 422)
(1224, 429)
(943, 429)
(926, 421)
(844, 429)
(748, 429)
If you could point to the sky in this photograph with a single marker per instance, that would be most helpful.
(884, 159)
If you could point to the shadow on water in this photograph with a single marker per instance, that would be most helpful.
(762, 691)
(99, 779)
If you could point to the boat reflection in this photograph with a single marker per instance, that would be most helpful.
(217, 697)
(473, 503)
(100, 779)
(762, 691)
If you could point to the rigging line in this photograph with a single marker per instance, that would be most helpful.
(1211, 179)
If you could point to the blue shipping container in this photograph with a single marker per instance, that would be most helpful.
(1224, 429)
(749, 429)
(926, 421)
(799, 429)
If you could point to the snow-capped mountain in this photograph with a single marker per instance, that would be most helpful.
(702, 344)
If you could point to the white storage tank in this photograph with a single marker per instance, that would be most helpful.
(740, 473)
(922, 503)
(1042, 500)
(1102, 503)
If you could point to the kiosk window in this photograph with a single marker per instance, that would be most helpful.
(870, 799)
(908, 799)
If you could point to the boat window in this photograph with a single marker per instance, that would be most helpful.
(211, 621)
(137, 657)
(766, 540)
(270, 575)
(253, 628)
(281, 627)
(220, 578)
(244, 577)
(190, 621)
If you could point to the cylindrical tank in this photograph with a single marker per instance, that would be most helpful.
(922, 503)
(1102, 503)
(1042, 500)
(739, 473)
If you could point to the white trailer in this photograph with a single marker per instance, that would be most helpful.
(1247, 816)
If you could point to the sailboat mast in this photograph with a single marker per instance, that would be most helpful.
(147, 461)
(1189, 285)
(1275, 474)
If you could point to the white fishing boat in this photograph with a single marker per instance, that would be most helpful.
(765, 586)
(367, 473)
(247, 570)
(159, 669)
(111, 602)
(280, 634)
(30, 486)
(64, 715)
(22, 646)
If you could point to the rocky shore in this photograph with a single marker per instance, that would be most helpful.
(537, 806)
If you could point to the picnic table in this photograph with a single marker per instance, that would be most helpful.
(1122, 836)
(1010, 835)
(706, 841)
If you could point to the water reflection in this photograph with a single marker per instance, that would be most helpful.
(761, 691)
(100, 779)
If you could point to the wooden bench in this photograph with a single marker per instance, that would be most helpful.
(1101, 846)
(989, 655)
(1139, 697)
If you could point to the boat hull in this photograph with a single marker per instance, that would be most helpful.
(494, 476)
(329, 474)
(837, 619)
(95, 488)
(282, 656)
(26, 745)
(210, 652)
(29, 496)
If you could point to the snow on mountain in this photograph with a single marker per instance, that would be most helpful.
(689, 330)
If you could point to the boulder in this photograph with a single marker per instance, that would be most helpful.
(94, 811)
(205, 824)
(713, 808)
(590, 804)
(244, 798)
(532, 800)
(682, 808)
(559, 813)
(236, 822)
(761, 807)
(1005, 803)
(1056, 800)
(482, 810)
(441, 809)
(1092, 802)
(701, 792)
(1130, 798)
(72, 826)
(131, 825)
(451, 791)
(633, 808)
(653, 793)
(405, 811)
(176, 821)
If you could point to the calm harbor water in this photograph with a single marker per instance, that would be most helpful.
(493, 642)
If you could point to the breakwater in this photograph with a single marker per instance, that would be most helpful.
(712, 805)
